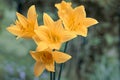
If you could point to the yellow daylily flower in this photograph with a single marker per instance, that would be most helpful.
(24, 27)
(74, 20)
(45, 59)
(52, 34)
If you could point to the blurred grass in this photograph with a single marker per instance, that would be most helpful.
(98, 52)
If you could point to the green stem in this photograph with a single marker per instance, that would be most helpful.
(61, 65)
(59, 75)
(54, 72)
(50, 75)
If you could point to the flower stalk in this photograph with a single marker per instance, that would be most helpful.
(54, 73)
(61, 65)
(50, 75)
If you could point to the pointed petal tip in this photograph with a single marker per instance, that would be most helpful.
(17, 13)
(33, 54)
(70, 57)
(20, 16)
(61, 57)
(82, 6)
(83, 34)
(91, 21)
(45, 14)
(48, 21)
(94, 21)
(8, 28)
(32, 8)
(97, 22)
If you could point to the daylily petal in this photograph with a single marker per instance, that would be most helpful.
(35, 55)
(68, 36)
(63, 5)
(27, 35)
(48, 20)
(36, 39)
(14, 30)
(82, 31)
(36, 25)
(38, 68)
(41, 46)
(89, 22)
(59, 25)
(42, 33)
(80, 12)
(50, 67)
(32, 13)
(60, 57)
(22, 19)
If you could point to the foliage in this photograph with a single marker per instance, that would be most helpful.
(94, 58)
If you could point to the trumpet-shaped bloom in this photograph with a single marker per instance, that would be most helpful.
(46, 58)
(24, 27)
(75, 19)
(52, 34)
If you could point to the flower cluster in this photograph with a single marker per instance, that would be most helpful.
(52, 34)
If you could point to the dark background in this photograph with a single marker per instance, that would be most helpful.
(95, 57)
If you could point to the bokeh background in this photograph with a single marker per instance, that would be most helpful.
(95, 57)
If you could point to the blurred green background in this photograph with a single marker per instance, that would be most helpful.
(95, 57)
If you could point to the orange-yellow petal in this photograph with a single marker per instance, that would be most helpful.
(41, 46)
(35, 55)
(60, 57)
(50, 67)
(31, 15)
(22, 19)
(14, 30)
(63, 5)
(82, 31)
(48, 20)
(68, 36)
(80, 12)
(89, 22)
(38, 68)
(42, 33)
(36, 25)
(27, 35)
(36, 39)
(59, 26)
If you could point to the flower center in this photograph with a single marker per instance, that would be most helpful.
(75, 26)
(46, 57)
